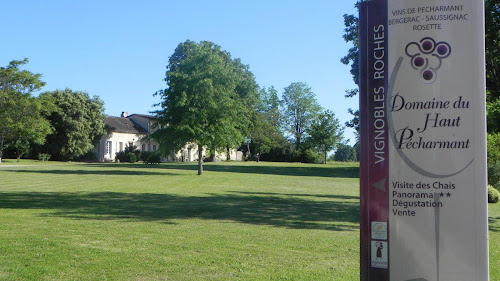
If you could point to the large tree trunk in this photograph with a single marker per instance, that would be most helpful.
(200, 159)
(228, 154)
(325, 156)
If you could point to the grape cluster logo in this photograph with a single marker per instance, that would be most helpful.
(427, 57)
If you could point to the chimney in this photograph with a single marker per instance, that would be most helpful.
(124, 114)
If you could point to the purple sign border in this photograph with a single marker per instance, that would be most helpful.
(374, 162)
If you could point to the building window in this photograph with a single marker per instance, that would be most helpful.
(108, 147)
(154, 147)
(143, 147)
(121, 146)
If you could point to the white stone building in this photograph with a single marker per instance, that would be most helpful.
(132, 129)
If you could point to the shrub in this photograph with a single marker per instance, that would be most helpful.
(493, 195)
(144, 156)
(43, 157)
(213, 158)
(494, 172)
(153, 158)
(132, 148)
(310, 156)
(131, 157)
(121, 156)
(90, 156)
(278, 154)
(124, 156)
(345, 153)
(494, 159)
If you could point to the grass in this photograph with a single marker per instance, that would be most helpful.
(239, 221)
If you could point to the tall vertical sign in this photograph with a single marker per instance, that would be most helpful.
(423, 147)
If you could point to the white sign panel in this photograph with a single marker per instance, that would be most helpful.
(425, 218)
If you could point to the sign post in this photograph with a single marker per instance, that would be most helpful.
(423, 141)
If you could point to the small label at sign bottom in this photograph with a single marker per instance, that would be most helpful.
(379, 230)
(380, 258)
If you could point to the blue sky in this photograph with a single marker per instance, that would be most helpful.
(118, 50)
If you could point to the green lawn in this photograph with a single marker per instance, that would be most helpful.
(239, 221)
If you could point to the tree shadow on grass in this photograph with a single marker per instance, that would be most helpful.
(293, 213)
(311, 171)
(343, 197)
(116, 172)
(494, 224)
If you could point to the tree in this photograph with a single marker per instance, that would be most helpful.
(208, 100)
(345, 153)
(325, 132)
(19, 147)
(20, 113)
(265, 134)
(492, 18)
(32, 127)
(351, 34)
(23, 123)
(78, 123)
(12, 79)
(492, 39)
(246, 90)
(299, 108)
(270, 105)
(357, 150)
